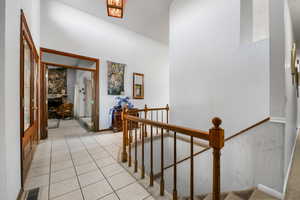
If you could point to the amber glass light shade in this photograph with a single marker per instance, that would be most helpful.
(115, 8)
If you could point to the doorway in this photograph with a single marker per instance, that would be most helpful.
(70, 90)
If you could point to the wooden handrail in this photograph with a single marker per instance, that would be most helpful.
(147, 109)
(215, 136)
(227, 139)
(183, 130)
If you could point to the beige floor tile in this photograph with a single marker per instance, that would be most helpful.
(82, 160)
(82, 169)
(106, 161)
(75, 195)
(120, 180)
(37, 181)
(63, 175)
(38, 171)
(58, 189)
(89, 178)
(43, 193)
(112, 170)
(61, 165)
(60, 158)
(110, 197)
(97, 190)
(150, 198)
(133, 192)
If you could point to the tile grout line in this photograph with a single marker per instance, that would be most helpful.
(114, 191)
(136, 180)
(74, 167)
(49, 187)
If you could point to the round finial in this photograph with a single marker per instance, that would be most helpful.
(217, 122)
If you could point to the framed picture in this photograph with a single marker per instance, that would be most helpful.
(138, 86)
(115, 76)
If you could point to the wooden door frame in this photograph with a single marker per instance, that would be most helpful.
(43, 119)
(25, 34)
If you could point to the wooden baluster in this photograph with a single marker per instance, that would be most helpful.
(162, 116)
(167, 113)
(143, 152)
(151, 115)
(175, 169)
(141, 131)
(216, 141)
(129, 145)
(124, 120)
(146, 114)
(162, 181)
(135, 150)
(192, 170)
(151, 156)
(157, 121)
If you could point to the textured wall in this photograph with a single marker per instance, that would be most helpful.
(211, 72)
(246, 161)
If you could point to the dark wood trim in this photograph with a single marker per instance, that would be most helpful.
(97, 97)
(227, 139)
(96, 91)
(25, 27)
(46, 50)
(68, 66)
(116, 7)
(28, 136)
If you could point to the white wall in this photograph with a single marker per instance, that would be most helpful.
(67, 29)
(277, 52)
(2, 115)
(291, 99)
(211, 72)
(10, 94)
(246, 161)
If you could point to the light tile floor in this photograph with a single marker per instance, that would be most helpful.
(76, 165)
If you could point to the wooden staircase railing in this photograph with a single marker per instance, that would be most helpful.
(215, 137)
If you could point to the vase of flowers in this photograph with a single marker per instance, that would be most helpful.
(120, 103)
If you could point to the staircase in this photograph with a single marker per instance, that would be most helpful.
(144, 126)
(252, 194)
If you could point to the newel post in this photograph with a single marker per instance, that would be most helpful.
(216, 141)
(125, 133)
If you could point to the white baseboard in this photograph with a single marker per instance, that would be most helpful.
(286, 178)
(270, 191)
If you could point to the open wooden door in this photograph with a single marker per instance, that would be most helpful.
(29, 66)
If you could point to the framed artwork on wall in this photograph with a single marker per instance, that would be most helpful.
(115, 77)
(138, 86)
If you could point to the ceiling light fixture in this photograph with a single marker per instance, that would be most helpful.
(115, 8)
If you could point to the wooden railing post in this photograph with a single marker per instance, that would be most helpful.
(146, 113)
(125, 134)
(216, 141)
(167, 109)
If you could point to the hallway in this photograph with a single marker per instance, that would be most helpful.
(76, 165)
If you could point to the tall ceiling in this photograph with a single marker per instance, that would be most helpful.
(295, 12)
(147, 17)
